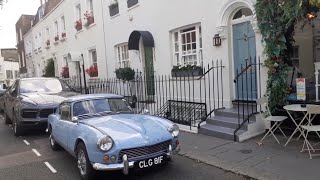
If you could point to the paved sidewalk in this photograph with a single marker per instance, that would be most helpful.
(268, 161)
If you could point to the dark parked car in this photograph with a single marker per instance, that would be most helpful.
(3, 93)
(30, 101)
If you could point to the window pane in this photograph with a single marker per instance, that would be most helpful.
(188, 38)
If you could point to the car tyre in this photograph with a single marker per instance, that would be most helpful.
(17, 129)
(53, 143)
(84, 166)
(6, 118)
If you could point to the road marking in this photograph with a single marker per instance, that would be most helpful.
(36, 152)
(50, 167)
(27, 143)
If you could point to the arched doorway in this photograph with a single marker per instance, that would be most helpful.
(244, 54)
(147, 51)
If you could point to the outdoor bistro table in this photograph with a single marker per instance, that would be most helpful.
(298, 108)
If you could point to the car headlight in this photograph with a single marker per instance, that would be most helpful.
(174, 130)
(105, 143)
(26, 102)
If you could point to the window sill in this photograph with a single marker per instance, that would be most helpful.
(132, 7)
(91, 25)
(79, 31)
(186, 78)
(115, 16)
(63, 39)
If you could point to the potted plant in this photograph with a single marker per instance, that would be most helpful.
(48, 43)
(126, 74)
(65, 72)
(114, 8)
(78, 25)
(63, 35)
(56, 38)
(186, 71)
(89, 17)
(92, 71)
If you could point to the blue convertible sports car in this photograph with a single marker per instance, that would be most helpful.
(103, 133)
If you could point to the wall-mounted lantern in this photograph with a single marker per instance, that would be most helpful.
(217, 40)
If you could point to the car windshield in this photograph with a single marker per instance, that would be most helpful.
(43, 85)
(100, 105)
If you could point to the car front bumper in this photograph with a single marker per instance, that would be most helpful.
(126, 165)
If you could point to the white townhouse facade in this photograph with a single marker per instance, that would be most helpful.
(55, 37)
(181, 32)
(9, 66)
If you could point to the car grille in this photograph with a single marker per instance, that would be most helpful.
(35, 113)
(44, 113)
(29, 113)
(143, 151)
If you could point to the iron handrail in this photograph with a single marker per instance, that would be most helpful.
(243, 71)
(204, 74)
(242, 124)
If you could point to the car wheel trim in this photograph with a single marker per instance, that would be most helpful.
(52, 141)
(82, 163)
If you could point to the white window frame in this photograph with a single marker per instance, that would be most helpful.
(63, 24)
(193, 56)
(56, 27)
(90, 6)
(92, 61)
(78, 13)
(122, 54)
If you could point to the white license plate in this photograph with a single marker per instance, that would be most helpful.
(150, 162)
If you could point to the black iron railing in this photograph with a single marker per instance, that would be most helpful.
(248, 89)
(197, 96)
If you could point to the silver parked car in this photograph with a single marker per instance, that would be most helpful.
(30, 101)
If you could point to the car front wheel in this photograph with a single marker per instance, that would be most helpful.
(83, 162)
(6, 118)
(53, 143)
(17, 129)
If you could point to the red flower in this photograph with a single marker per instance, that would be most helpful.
(56, 38)
(92, 71)
(78, 25)
(48, 42)
(65, 72)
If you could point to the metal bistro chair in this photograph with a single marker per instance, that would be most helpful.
(311, 110)
(266, 116)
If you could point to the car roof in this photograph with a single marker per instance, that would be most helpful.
(38, 78)
(91, 96)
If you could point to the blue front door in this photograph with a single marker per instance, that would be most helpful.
(244, 52)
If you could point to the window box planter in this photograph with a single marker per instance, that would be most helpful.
(56, 42)
(78, 25)
(114, 9)
(126, 74)
(131, 3)
(63, 39)
(190, 71)
(47, 47)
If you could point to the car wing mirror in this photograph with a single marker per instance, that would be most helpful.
(75, 120)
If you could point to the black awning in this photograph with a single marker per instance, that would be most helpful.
(135, 37)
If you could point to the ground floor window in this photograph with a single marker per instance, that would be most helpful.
(122, 54)
(187, 46)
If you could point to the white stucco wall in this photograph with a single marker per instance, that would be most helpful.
(76, 43)
(7, 65)
(162, 17)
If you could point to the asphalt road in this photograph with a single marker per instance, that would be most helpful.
(30, 158)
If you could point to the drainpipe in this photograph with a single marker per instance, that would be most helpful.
(104, 38)
(84, 76)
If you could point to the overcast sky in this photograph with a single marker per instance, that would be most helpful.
(9, 15)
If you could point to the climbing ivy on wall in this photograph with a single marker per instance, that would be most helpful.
(276, 20)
